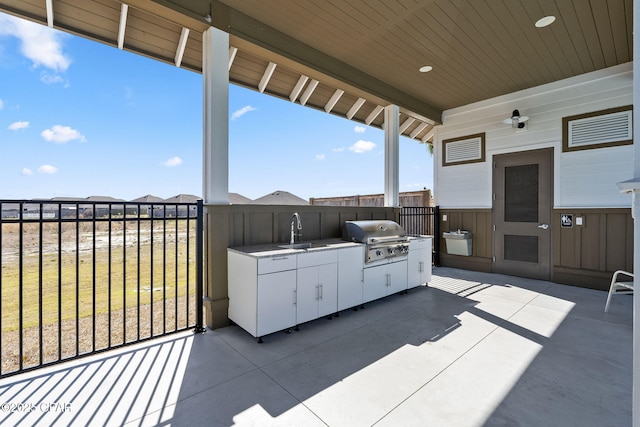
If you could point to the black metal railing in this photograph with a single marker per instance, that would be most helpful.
(81, 277)
(423, 220)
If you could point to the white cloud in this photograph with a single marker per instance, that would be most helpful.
(338, 150)
(39, 43)
(47, 169)
(172, 162)
(320, 156)
(1, 104)
(62, 134)
(241, 112)
(362, 146)
(48, 78)
(27, 171)
(18, 125)
(359, 129)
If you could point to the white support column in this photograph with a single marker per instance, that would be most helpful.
(633, 186)
(215, 76)
(635, 400)
(391, 156)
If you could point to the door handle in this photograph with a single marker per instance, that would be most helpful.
(544, 226)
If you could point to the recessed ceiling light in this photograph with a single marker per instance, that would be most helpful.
(547, 20)
(426, 69)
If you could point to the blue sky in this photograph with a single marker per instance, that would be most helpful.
(79, 118)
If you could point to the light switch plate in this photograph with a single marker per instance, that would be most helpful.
(579, 220)
(444, 217)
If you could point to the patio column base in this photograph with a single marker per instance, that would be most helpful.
(216, 313)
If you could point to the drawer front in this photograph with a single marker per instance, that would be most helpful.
(309, 259)
(276, 263)
(419, 243)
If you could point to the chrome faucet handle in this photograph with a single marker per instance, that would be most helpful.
(296, 223)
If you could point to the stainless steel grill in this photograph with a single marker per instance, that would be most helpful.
(383, 238)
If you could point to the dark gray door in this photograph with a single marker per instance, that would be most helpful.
(522, 191)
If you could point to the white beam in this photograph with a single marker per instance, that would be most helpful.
(405, 125)
(295, 93)
(375, 113)
(232, 55)
(124, 9)
(313, 84)
(215, 76)
(267, 76)
(182, 44)
(418, 130)
(429, 136)
(391, 156)
(334, 100)
(355, 107)
(49, 7)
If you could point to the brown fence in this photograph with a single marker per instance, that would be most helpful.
(412, 198)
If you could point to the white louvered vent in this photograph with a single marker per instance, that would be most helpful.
(604, 129)
(465, 150)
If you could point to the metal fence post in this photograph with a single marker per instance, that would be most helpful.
(199, 328)
(436, 236)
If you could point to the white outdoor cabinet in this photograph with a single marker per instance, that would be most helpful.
(273, 289)
(317, 285)
(350, 277)
(385, 279)
(419, 261)
(262, 292)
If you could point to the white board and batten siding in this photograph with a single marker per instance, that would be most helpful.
(585, 178)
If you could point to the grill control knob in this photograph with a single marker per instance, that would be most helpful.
(390, 250)
(379, 252)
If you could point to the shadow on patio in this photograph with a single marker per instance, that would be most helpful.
(470, 349)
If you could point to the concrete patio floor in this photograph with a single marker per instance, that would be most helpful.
(470, 349)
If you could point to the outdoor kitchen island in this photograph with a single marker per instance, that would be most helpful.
(275, 287)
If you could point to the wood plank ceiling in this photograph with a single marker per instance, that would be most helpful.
(351, 58)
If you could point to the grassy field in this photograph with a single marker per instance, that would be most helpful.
(125, 285)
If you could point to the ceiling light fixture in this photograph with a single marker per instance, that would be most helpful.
(516, 120)
(547, 20)
(425, 69)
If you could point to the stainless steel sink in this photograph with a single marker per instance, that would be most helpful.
(301, 245)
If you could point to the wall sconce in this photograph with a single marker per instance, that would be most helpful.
(516, 120)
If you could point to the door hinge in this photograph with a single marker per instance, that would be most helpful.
(494, 227)
(494, 259)
(494, 197)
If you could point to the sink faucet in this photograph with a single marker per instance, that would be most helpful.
(295, 220)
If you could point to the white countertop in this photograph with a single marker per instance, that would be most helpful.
(274, 249)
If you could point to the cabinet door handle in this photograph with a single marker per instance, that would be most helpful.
(321, 289)
(421, 269)
(317, 292)
(388, 279)
(295, 297)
